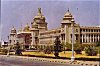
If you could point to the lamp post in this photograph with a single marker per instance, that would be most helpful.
(8, 47)
(72, 58)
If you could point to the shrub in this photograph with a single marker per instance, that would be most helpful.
(77, 47)
(57, 46)
(18, 50)
(98, 44)
(91, 51)
(4, 51)
(48, 50)
(68, 46)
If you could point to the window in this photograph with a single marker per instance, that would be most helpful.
(91, 30)
(10, 41)
(76, 37)
(83, 30)
(76, 30)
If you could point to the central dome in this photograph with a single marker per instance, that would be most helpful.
(39, 15)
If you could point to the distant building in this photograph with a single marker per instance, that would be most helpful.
(0, 44)
(39, 35)
(3, 44)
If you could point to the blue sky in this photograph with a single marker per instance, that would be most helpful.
(17, 12)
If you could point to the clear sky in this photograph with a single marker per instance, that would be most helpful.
(17, 12)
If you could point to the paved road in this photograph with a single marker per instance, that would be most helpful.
(9, 61)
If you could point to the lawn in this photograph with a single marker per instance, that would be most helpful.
(61, 54)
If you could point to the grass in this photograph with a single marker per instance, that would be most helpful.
(61, 54)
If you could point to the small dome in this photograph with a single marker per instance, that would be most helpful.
(34, 25)
(20, 30)
(13, 30)
(27, 27)
(68, 14)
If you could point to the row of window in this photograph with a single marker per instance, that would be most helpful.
(95, 35)
(90, 30)
(85, 41)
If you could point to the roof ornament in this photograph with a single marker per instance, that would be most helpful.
(68, 10)
(39, 11)
(13, 28)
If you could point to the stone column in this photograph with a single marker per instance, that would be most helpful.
(85, 38)
(82, 38)
(98, 37)
(90, 38)
(52, 39)
(93, 37)
(32, 43)
(65, 34)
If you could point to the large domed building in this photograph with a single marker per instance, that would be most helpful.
(37, 35)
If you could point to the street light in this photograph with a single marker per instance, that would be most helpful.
(72, 58)
(8, 47)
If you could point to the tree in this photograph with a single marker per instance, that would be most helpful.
(18, 50)
(91, 50)
(98, 44)
(77, 48)
(48, 50)
(57, 47)
(68, 46)
(98, 47)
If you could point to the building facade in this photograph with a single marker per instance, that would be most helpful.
(38, 34)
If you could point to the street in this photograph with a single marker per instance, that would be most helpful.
(9, 61)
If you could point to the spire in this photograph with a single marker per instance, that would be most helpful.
(68, 10)
(68, 13)
(13, 30)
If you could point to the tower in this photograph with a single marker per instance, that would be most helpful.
(39, 21)
(67, 19)
(66, 25)
(38, 25)
(13, 36)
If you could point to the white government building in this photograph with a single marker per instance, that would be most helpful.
(38, 34)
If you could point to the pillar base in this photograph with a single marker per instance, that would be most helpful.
(8, 54)
(72, 58)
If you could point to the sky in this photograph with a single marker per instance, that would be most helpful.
(17, 12)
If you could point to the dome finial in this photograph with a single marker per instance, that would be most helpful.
(68, 10)
(13, 28)
(39, 10)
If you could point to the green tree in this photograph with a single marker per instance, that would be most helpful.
(18, 50)
(91, 50)
(77, 47)
(98, 47)
(98, 44)
(57, 47)
(48, 50)
(68, 46)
